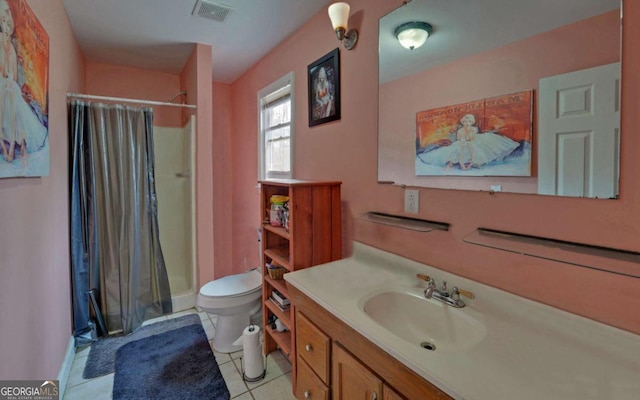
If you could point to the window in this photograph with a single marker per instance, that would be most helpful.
(275, 126)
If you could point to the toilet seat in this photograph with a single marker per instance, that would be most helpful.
(233, 285)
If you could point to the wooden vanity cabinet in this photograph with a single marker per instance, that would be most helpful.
(313, 349)
(390, 394)
(358, 368)
(309, 386)
(313, 236)
(313, 346)
(350, 379)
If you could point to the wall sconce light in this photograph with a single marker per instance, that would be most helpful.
(413, 34)
(339, 15)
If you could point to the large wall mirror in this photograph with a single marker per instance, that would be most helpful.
(511, 96)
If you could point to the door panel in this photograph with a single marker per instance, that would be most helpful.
(578, 133)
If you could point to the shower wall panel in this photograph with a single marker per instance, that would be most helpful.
(173, 186)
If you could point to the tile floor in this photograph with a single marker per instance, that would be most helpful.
(275, 386)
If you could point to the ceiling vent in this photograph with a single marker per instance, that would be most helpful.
(207, 9)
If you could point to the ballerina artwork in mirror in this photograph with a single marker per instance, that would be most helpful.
(521, 98)
(488, 137)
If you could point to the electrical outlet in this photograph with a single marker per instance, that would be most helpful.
(411, 201)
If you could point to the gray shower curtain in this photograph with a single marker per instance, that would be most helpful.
(115, 243)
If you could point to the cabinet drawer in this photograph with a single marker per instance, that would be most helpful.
(309, 387)
(313, 346)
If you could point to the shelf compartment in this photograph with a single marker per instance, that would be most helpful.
(282, 339)
(400, 221)
(278, 230)
(606, 259)
(279, 254)
(273, 241)
(278, 284)
(282, 315)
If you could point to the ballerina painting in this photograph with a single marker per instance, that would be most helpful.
(489, 137)
(24, 57)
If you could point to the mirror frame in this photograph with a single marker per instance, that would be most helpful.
(505, 184)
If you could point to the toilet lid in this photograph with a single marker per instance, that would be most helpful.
(233, 285)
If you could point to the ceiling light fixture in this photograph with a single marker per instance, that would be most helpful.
(413, 34)
(339, 15)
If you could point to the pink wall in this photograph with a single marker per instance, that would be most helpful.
(508, 69)
(196, 80)
(222, 182)
(35, 302)
(133, 83)
(346, 150)
(324, 152)
(35, 311)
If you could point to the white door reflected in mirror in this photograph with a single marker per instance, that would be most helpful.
(578, 133)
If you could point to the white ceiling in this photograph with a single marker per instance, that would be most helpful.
(159, 34)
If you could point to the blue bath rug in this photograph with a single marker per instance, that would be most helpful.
(103, 352)
(177, 364)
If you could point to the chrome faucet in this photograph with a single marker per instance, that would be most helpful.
(442, 294)
(428, 292)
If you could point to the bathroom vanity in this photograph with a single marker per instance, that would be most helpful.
(335, 361)
(362, 324)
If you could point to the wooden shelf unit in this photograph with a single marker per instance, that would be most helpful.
(314, 237)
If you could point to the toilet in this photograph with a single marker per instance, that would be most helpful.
(234, 299)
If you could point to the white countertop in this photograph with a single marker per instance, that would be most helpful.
(530, 351)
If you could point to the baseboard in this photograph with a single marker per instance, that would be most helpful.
(65, 368)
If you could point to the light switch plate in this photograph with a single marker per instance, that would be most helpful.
(411, 201)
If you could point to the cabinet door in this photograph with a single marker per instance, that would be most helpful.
(352, 380)
(390, 394)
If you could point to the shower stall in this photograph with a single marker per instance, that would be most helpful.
(175, 187)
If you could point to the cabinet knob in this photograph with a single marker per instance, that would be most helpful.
(307, 394)
(374, 396)
(308, 347)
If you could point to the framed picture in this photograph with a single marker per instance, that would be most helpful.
(324, 89)
(24, 137)
(487, 137)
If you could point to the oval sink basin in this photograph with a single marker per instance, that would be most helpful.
(425, 323)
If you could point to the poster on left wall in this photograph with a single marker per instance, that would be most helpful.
(24, 92)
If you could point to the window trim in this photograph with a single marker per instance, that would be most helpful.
(287, 79)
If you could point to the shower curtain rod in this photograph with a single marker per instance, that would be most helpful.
(156, 103)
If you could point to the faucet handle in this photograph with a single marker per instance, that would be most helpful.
(465, 293)
(425, 278)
